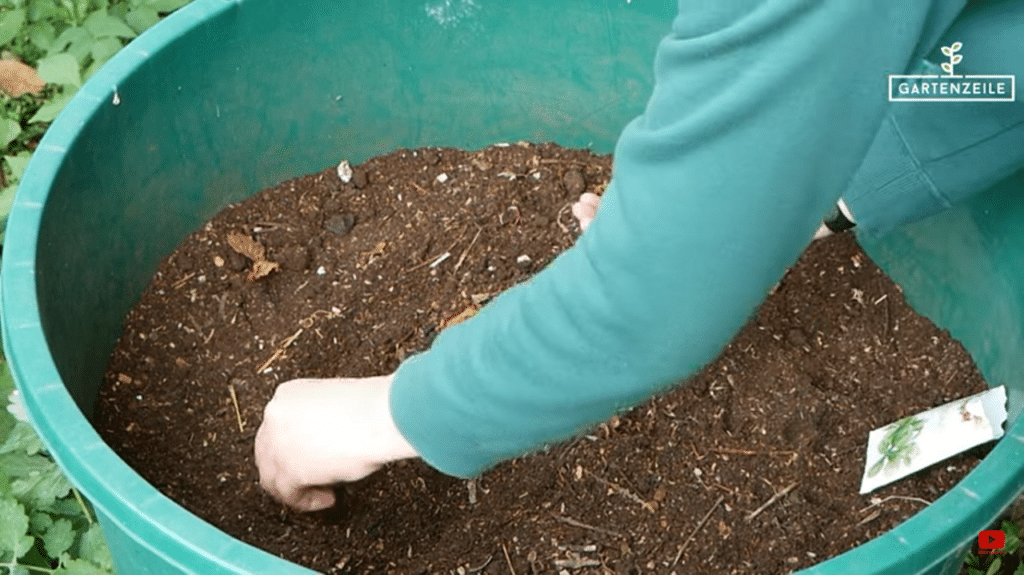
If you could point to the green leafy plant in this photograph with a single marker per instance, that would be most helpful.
(898, 446)
(46, 526)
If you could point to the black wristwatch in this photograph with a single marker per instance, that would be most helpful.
(837, 221)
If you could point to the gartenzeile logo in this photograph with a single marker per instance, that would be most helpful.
(951, 87)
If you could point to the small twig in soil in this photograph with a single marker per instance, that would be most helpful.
(696, 529)
(508, 560)
(573, 162)
(462, 258)
(238, 413)
(421, 264)
(269, 227)
(183, 281)
(432, 259)
(583, 525)
(624, 492)
(482, 567)
(279, 351)
(876, 501)
(576, 562)
(440, 259)
(870, 518)
(778, 495)
(749, 452)
(696, 454)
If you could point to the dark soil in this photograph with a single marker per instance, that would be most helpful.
(667, 487)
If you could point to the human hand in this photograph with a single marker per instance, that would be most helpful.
(319, 432)
(585, 209)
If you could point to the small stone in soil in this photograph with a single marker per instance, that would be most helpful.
(344, 171)
(359, 179)
(431, 157)
(341, 224)
(574, 182)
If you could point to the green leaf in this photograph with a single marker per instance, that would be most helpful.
(103, 25)
(42, 489)
(58, 538)
(5, 483)
(43, 10)
(11, 22)
(103, 49)
(22, 438)
(70, 35)
(40, 522)
(68, 507)
(81, 8)
(80, 567)
(141, 18)
(993, 569)
(6, 377)
(6, 203)
(94, 548)
(60, 69)
(42, 35)
(166, 5)
(9, 130)
(48, 111)
(35, 479)
(17, 164)
(7, 420)
(81, 48)
(14, 529)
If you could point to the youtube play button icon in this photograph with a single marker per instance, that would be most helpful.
(991, 541)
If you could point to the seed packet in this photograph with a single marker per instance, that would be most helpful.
(917, 441)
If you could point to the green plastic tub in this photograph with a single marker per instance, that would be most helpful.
(226, 97)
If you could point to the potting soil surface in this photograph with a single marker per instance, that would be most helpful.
(751, 466)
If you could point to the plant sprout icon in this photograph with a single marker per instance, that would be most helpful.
(954, 58)
(897, 446)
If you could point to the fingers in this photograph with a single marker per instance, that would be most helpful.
(313, 499)
(590, 199)
(281, 487)
(585, 210)
(305, 500)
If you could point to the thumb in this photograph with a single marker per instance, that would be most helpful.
(315, 499)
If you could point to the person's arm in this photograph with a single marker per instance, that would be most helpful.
(760, 114)
(929, 157)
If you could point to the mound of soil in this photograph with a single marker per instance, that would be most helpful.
(751, 466)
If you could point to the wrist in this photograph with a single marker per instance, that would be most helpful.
(396, 447)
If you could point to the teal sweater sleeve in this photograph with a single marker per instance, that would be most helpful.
(760, 114)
